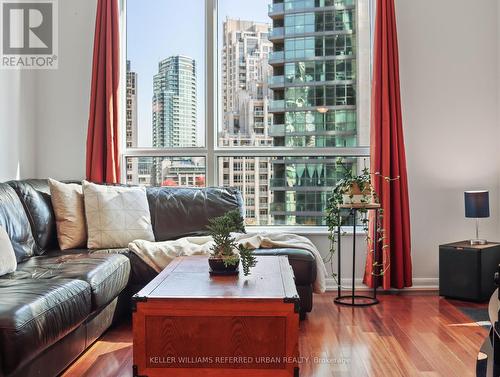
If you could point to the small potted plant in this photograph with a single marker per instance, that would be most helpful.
(356, 190)
(226, 254)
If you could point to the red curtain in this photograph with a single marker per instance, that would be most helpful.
(388, 157)
(102, 136)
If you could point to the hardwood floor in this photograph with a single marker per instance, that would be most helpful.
(405, 335)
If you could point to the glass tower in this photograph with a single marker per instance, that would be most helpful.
(314, 101)
(174, 103)
(174, 107)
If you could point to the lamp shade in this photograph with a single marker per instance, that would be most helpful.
(477, 204)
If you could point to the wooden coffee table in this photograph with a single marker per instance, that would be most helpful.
(188, 323)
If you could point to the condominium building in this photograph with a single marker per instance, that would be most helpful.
(188, 171)
(245, 92)
(245, 70)
(314, 101)
(131, 123)
(174, 107)
(144, 167)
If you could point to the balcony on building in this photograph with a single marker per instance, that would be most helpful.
(276, 57)
(310, 5)
(295, 207)
(276, 81)
(276, 9)
(276, 33)
(277, 130)
(303, 183)
(277, 105)
(259, 128)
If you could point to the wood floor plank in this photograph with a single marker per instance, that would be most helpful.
(420, 335)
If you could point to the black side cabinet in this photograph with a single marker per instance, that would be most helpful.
(467, 271)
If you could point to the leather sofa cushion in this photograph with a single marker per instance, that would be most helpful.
(35, 197)
(107, 275)
(181, 212)
(140, 273)
(14, 220)
(35, 314)
(302, 262)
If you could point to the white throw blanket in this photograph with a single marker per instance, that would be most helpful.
(159, 254)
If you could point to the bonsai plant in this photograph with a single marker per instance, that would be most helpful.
(226, 254)
(355, 190)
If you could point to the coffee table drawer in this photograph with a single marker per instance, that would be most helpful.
(217, 338)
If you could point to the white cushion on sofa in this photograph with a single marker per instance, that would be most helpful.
(8, 261)
(116, 216)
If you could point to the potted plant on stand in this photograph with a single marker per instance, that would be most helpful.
(355, 190)
(226, 254)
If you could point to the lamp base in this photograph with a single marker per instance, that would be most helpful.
(478, 242)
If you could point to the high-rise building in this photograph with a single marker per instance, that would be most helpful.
(245, 50)
(174, 107)
(245, 72)
(131, 123)
(314, 101)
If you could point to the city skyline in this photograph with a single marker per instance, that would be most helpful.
(245, 73)
(287, 82)
(146, 47)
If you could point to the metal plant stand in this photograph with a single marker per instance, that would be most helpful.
(353, 299)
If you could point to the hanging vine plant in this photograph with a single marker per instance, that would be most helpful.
(355, 190)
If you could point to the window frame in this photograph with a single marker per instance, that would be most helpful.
(211, 151)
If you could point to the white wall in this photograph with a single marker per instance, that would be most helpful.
(449, 78)
(17, 113)
(43, 114)
(449, 59)
(63, 95)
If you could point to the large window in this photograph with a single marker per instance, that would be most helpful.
(261, 95)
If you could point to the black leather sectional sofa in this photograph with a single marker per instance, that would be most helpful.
(58, 303)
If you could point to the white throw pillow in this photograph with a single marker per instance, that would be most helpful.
(67, 201)
(116, 216)
(8, 261)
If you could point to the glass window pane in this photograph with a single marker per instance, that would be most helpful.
(243, 33)
(259, 88)
(165, 75)
(285, 191)
(279, 86)
(166, 171)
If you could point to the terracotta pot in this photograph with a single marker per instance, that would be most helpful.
(357, 194)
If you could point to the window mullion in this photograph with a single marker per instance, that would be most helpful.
(211, 90)
(169, 152)
(292, 152)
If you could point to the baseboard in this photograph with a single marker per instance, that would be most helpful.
(418, 284)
